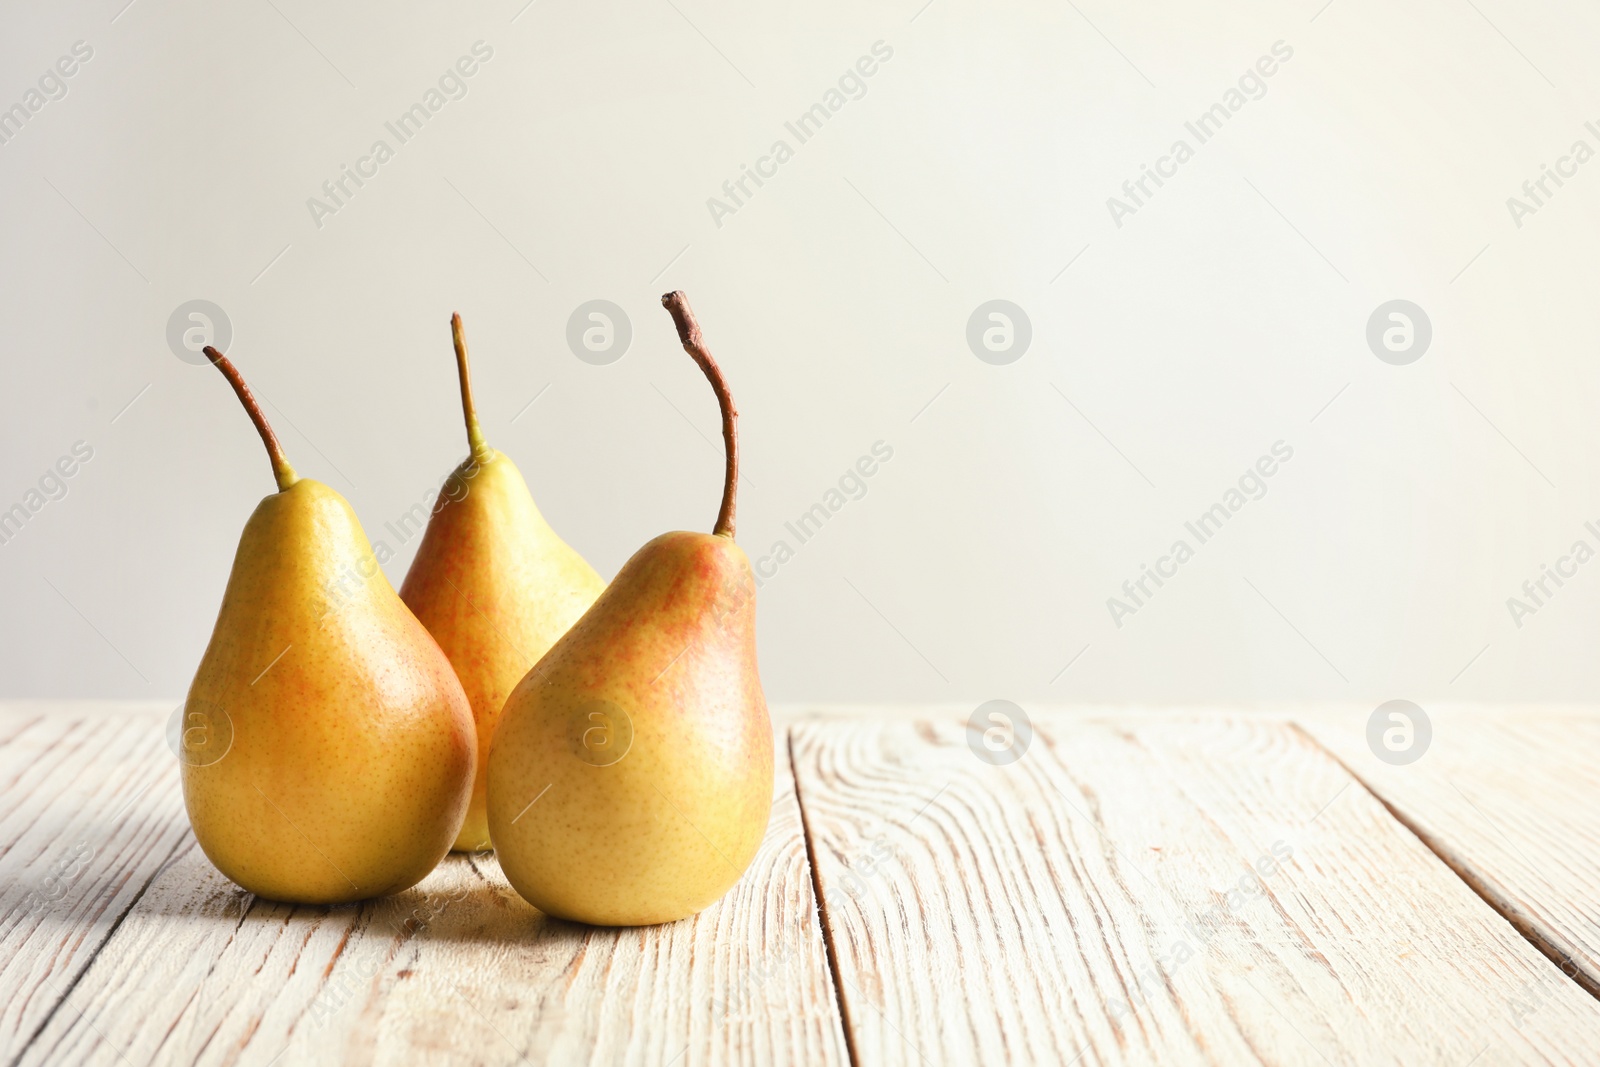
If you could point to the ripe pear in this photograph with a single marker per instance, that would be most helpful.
(494, 585)
(328, 748)
(630, 778)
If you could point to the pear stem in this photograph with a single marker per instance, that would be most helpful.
(689, 333)
(474, 433)
(280, 464)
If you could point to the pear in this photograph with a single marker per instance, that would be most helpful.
(328, 748)
(494, 585)
(630, 777)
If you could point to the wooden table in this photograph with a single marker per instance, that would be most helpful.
(1206, 886)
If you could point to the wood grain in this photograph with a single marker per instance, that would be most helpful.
(459, 970)
(1084, 901)
(88, 814)
(1511, 800)
(1174, 892)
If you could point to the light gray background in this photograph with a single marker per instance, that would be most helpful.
(1229, 313)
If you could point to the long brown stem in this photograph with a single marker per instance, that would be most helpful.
(689, 333)
(474, 433)
(280, 464)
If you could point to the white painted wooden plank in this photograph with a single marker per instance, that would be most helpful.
(1149, 891)
(457, 971)
(1511, 800)
(88, 813)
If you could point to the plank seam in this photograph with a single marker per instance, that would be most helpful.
(835, 978)
(101, 947)
(1497, 902)
(244, 912)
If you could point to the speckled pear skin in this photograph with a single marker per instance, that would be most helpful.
(496, 587)
(665, 830)
(351, 761)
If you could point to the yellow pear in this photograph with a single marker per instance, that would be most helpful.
(630, 778)
(327, 747)
(494, 585)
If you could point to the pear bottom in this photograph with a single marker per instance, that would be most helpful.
(308, 836)
(655, 837)
(630, 775)
(328, 748)
(474, 835)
